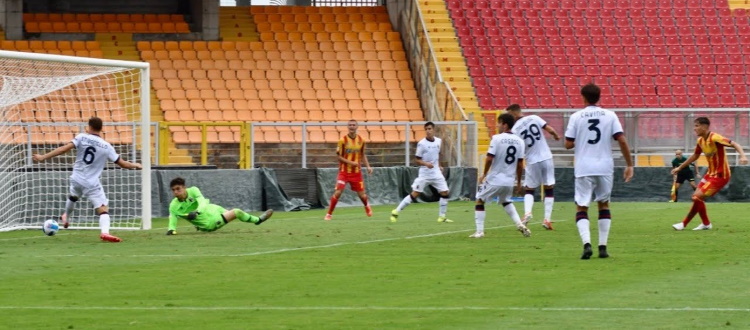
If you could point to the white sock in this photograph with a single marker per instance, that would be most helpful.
(69, 206)
(548, 202)
(583, 230)
(604, 230)
(404, 203)
(511, 210)
(104, 223)
(479, 220)
(528, 203)
(443, 206)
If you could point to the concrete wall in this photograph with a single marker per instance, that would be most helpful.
(12, 19)
(206, 17)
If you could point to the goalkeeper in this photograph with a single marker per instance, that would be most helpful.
(189, 204)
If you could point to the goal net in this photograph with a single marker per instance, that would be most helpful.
(45, 101)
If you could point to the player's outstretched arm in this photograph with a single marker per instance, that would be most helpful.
(54, 153)
(690, 160)
(128, 165)
(172, 229)
(552, 132)
(625, 149)
(738, 147)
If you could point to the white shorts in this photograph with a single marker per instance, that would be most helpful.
(437, 181)
(599, 186)
(541, 173)
(94, 192)
(486, 192)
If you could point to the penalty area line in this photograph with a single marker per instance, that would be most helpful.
(381, 308)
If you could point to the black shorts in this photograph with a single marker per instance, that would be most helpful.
(682, 177)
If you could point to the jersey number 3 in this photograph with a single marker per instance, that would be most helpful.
(593, 128)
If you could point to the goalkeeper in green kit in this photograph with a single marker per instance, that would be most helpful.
(189, 204)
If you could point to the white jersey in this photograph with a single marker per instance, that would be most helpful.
(429, 151)
(507, 150)
(92, 154)
(593, 129)
(529, 128)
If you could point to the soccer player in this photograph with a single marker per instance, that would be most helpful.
(540, 169)
(502, 166)
(591, 132)
(351, 154)
(684, 175)
(189, 204)
(717, 176)
(92, 154)
(430, 174)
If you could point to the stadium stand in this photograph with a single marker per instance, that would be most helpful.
(73, 48)
(316, 64)
(104, 23)
(452, 64)
(646, 53)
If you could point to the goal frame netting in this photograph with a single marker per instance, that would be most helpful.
(117, 73)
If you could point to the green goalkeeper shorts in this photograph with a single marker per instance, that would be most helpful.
(210, 219)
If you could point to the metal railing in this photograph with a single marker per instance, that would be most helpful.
(653, 132)
(243, 141)
(459, 144)
(436, 96)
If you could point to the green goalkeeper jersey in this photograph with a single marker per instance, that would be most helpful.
(194, 202)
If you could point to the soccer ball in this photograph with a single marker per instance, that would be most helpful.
(50, 227)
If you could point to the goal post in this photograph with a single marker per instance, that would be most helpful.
(45, 100)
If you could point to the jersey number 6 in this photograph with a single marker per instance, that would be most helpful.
(88, 155)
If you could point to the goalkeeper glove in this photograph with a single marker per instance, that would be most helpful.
(192, 215)
(171, 232)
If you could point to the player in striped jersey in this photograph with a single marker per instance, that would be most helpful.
(717, 176)
(351, 154)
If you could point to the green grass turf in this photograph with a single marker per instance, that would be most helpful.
(299, 272)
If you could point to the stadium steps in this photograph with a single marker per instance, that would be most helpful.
(237, 24)
(118, 46)
(736, 4)
(452, 64)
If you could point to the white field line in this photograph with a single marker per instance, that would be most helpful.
(64, 232)
(382, 308)
(278, 250)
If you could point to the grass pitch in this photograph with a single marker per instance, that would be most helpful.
(299, 272)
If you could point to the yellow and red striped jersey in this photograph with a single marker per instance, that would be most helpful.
(350, 149)
(714, 148)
